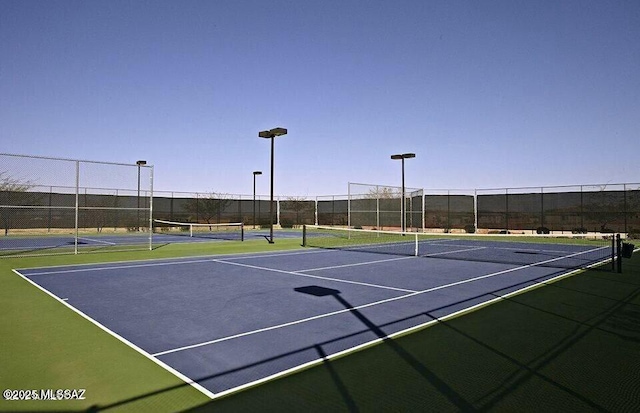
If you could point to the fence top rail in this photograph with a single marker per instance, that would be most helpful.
(538, 187)
(74, 160)
(407, 188)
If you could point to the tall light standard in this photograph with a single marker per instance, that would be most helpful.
(140, 164)
(271, 134)
(254, 196)
(402, 157)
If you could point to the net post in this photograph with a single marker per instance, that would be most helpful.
(619, 251)
(613, 254)
(316, 212)
(242, 231)
(422, 211)
(77, 208)
(416, 252)
(304, 235)
(151, 209)
(191, 230)
(475, 209)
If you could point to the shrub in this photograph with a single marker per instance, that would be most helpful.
(264, 223)
(469, 229)
(286, 223)
(542, 230)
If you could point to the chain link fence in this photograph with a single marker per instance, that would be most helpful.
(606, 208)
(581, 208)
(71, 205)
(381, 206)
(450, 210)
(74, 205)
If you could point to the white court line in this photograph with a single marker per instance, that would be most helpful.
(320, 316)
(355, 264)
(447, 242)
(261, 330)
(161, 261)
(25, 247)
(116, 267)
(386, 260)
(434, 254)
(274, 254)
(97, 241)
(122, 339)
(300, 274)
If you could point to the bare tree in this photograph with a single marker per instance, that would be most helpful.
(209, 207)
(384, 192)
(300, 206)
(12, 192)
(11, 184)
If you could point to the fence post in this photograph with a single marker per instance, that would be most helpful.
(542, 207)
(506, 213)
(349, 205)
(49, 212)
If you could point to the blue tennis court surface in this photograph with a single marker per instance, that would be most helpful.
(226, 322)
(25, 243)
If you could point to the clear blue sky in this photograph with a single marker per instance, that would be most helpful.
(486, 93)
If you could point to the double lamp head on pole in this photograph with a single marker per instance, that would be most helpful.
(402, 157)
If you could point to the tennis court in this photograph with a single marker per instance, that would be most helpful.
(62, 243)
(227, 322)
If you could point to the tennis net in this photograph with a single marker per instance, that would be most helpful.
(229, 231)
(549, 250)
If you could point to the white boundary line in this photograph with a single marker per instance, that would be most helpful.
(97, 241)
(434, 254)
(116, 267)
(171, 261)
(355, 264)
(22, 248)
(122, 339)
(389, 259)
(291, 323)
(300, 274)
(447, 242)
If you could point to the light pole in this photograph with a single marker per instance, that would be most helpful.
(271, 134)
(402, 157)
(254, 196)
(139, 163)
